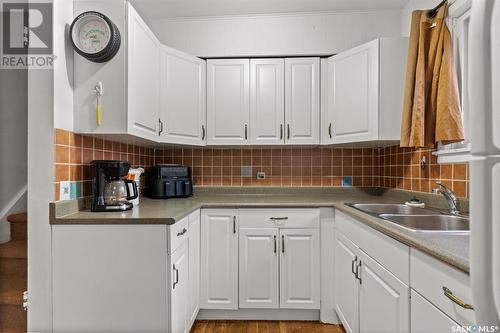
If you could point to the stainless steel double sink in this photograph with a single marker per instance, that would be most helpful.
(415, 218)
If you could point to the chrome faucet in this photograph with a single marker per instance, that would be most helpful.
(450, 197)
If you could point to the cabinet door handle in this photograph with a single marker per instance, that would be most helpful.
(234, 224)
(281, 131)
(161, 126)
(275, 246)
(246, 131)
(176, 280)
(288, 131)
(353, 265)
(330, 130)
(358, 271)
(448, 293)
(282, 243)
(184, 230)
(203, 132)
(278, 218)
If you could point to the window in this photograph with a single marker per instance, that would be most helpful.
(458, 23)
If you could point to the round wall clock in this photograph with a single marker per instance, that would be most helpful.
(95, 37)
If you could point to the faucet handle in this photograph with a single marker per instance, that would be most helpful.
(443, 186)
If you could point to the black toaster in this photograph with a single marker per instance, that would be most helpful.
(168, 181)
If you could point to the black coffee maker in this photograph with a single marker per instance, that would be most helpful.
(110, 191)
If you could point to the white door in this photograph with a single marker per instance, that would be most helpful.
(219, 259)
(194, 267)
(183, 98)
(346, 286)
(299, 269)
(258, 271)
(302, 88)
(384, 301)
(179, 278)
(143, 79)
(353, 94)
(228, 107)
(426, 318)
(267, 101)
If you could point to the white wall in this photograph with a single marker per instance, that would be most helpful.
(63, 69)
(272, 35)
(409, 8)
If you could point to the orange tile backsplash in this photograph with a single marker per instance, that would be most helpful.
(298, 166)
(74, 152)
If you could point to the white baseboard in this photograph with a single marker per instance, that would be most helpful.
(259, 314)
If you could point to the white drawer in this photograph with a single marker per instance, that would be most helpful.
(426, 318)
(177, 234)
(388, 252)
(279, 218)
(429, 276)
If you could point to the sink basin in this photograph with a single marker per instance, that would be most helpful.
(434, 223)
(377, 209)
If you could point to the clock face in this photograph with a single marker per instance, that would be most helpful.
(91, 34)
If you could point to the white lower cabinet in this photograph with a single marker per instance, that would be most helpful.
(258, 268)
(383, 299)
(299, 269)
(194, 266)
(346, 286)
(219, 259)
(426, 318)
(179, 286)
(368, 297)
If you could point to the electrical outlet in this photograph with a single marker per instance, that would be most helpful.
(261, 175)
(65, 190)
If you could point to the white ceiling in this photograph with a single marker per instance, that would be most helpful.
(200, 8)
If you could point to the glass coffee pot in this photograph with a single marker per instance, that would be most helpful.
(118, 192)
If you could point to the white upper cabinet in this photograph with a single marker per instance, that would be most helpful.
(183, 98)
(267, 101)
(300, 269)
(362, 92)
(302, 100)
(258, 268)
(143, 93)
(219, 259)
(228, 107)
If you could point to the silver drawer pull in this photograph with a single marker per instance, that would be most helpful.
(182, 232)
(279, 218)
(448, 293)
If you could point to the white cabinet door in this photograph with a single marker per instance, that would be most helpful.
(299, 269)
(354, 94)
(219, 259)
(228, 107)
(426, 318)
(384, 301)
(267, 101)
(183, 98)
(143, 78)
(302, 88)
(179, 277)
(258, 268)
(194, 267)
(346, 286)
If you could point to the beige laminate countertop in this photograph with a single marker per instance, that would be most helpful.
(450, 248)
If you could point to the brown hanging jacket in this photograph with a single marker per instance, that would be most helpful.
(431, 109)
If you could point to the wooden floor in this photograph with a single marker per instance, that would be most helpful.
(226, 326)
